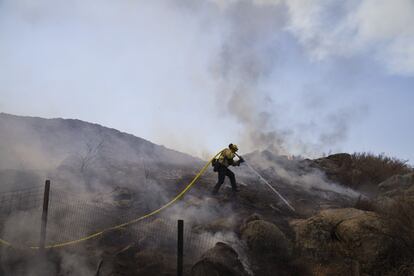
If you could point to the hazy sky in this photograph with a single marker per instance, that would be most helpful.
(297, 76)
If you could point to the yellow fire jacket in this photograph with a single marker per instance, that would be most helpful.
(226, 158)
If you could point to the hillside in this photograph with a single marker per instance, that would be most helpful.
(102, 178)
(69, 148)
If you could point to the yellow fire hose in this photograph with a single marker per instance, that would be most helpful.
(91, 236)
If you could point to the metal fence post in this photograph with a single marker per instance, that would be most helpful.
(180, 247)
(44, 215)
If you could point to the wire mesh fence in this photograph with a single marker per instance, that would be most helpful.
(73, 217)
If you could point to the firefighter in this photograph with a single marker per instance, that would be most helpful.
(221, 166)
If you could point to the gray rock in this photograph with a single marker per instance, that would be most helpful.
(345, 233)
(265, 239)
(393, 189)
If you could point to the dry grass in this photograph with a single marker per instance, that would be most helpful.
(373, 169)
(398, 232)
(405, 269)
(329, 269)
(399, 218)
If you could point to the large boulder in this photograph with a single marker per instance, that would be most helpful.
(394, 190)
(397, 186)
(221, 260)
(264, 238)
(269, 251)
(347, 234)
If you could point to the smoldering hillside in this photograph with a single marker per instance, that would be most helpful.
(90, 156)
(102, 178)
(85, 157)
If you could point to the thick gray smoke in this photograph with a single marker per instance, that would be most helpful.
(254, 48)
(247, 56)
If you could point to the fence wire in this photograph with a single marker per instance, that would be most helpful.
(72, 217)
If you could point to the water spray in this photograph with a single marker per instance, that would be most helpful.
(268, 184)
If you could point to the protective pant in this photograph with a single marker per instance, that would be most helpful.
(222, 173)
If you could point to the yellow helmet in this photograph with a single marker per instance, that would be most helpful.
(233, 147)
